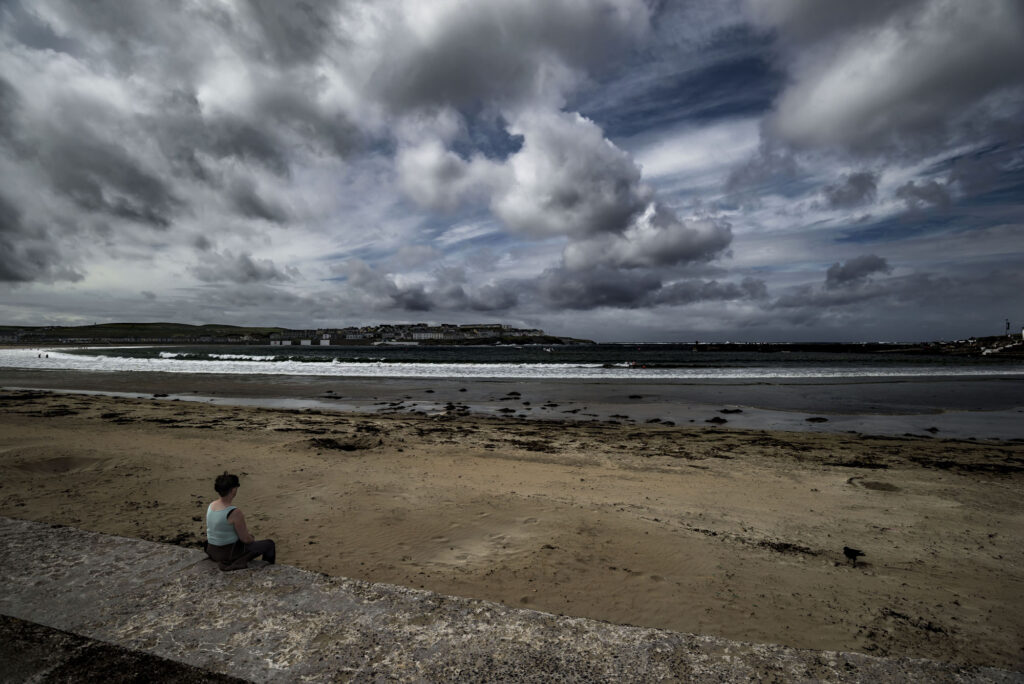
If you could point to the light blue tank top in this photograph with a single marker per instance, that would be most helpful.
(219, 530)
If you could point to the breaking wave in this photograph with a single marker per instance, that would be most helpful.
(109, 360)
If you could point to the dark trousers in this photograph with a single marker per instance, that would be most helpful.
(237, 556)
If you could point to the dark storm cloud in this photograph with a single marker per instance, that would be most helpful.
(101, 176)
(28, 253)
(9, 103)
(493, 297)
(600, 287)
(176, 45)
(596, 287)
(853, 284)
(692, 291)
(995, 170)
(233, 137)
(853, 190)
(250, 204)
(769, 168)
(898, 306)
(810, 20)
(118, 137)
(185, 134)
(370, 287)
(30, 30)
(556, 288)
(293, 32)
(202, 243)
(916, 74)
(655, 238)
(241, 302)
(502, 52)
(440, 294)
(241, 268)
(806, 304)
(855, 271)
(413, 298)
(449, 290)
(13, 266)
(927, 193)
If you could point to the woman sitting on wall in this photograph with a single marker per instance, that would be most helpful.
(228, 540)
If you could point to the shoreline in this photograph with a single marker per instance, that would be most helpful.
(979, 408)
(707, 530)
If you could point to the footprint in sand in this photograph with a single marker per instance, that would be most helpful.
(530, 521)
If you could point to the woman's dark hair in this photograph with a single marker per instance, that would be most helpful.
(225, 483)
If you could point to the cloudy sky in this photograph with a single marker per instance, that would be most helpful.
(623, 170)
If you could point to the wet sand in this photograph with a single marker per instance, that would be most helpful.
(700, 528)
(950, 407)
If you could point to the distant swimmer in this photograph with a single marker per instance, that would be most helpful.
(228, 540)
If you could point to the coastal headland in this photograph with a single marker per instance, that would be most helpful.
(704, 528)
(1001, 346)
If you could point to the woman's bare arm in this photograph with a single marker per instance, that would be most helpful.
(237, 518)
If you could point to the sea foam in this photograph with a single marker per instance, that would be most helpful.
(243, 364)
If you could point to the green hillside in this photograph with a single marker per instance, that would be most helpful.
(124, 330)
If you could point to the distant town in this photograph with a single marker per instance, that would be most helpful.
(176, 333)
(415, 334)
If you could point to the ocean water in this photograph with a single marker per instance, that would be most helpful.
(612, 362)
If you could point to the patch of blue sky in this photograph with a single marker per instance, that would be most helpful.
(732, 77)
(474, 234)
(486, 133)
(468, 225)
(369, 253)
(755, 195)
(1005, 190)
(970, 214)
(895, 229)
(983, 167)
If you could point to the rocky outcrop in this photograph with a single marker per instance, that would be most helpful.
(280, 623)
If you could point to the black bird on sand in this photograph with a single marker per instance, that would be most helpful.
(852, 554)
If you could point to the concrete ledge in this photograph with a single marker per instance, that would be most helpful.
(33, 653)
(280, 623)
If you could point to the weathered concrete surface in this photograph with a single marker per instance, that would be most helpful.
(279, 623)
(33, 653)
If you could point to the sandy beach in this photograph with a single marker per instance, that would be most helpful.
(704, 528)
